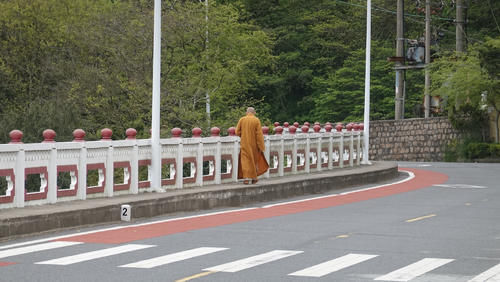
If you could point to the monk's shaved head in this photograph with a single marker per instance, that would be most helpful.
(251, 110)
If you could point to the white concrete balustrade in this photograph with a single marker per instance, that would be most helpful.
(79, 170)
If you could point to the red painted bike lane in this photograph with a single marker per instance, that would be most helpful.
(422, 179)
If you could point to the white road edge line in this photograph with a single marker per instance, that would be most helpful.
(410, 177)
(117, 228)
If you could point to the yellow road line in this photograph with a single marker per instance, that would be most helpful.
(195, 276)
(420, 218)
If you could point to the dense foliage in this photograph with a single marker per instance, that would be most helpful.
(67, 64)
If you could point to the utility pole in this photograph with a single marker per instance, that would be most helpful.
(427, 99)
(460, 24)
(399, 103)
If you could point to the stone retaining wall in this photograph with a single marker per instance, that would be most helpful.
(410, 139)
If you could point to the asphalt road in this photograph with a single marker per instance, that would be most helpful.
(442, 225)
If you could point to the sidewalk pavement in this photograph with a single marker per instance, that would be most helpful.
(16, 222)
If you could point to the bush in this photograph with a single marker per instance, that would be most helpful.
(471, 151)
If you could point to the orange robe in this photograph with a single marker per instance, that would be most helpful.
(252, 162)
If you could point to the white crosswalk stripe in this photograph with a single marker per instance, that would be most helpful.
(328, 267)
(158, 261)
(253, 261)
(414, 270)
(36, 248)
(490, 275)
(96, 254)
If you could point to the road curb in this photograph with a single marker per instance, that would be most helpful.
(48, 218)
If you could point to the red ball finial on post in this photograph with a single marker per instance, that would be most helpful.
(231, 131)
(48, 136)
(78, 135)
(196, 132)
(292, 129)
(176, 132)
(317, 128)
(106, 134)
(349, 127)
(305, 129)
(131, 133)
(278, 130)
(265, 130)
(214, 131)
(16, 136)
(339, 127)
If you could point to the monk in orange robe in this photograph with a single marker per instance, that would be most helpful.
(252, 161)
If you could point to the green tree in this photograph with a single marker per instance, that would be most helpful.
(489, 55)
(462, 81)
(341, 96)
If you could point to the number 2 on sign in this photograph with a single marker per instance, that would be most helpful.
(125, 210)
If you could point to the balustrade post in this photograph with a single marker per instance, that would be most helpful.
(235, 157)
(341, 149)
(48, 137)
(362, 149)
(196, 133)
(82, 174)
(292, 131)
(307, 155)
(267, 151)
(52, 176)
(281, 156)
(358, 146)
(319, 161)
(106, 134)
(215, 132)
(351, 149)
(79, 135)
(330, 149)
(134, 161)
(19, 178)
(286, 127)
(179, 160)
(16, 137)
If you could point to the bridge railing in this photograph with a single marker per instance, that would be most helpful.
(51, 172)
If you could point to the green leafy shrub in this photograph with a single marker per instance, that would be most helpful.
(468, 150)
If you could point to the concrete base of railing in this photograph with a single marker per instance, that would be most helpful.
(17, 222)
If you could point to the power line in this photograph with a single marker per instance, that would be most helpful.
(411, 16)
(381, 9)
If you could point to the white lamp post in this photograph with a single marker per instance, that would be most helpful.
(155, 126)
(366, 132)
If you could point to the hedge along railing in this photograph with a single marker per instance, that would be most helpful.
(65, 171)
